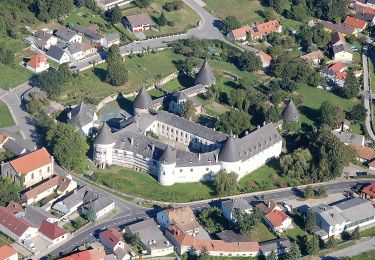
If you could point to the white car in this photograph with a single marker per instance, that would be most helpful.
(65, 219)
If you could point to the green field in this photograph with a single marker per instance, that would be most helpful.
(183, 19)
(13, 75)
(6, 118)
(246, 11)
(262, 233)
(368, 255)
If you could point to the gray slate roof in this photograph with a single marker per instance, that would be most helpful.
(329, 214)
(87, 32)
(36, 215)
(349, 138)
(205, 75)
(356, 209)
(81, 115)
(137, 20)
(229, 152)
(74, 199)
(75, 48)
(98, 204)
(365, 16)
(342, 47)
(239, 203)
(55, 52)
(143, 100)
(290, 113)
(276, 245)
(105, 135)
(168, 156)
(14, 147)
(112, 37)
(65, 34)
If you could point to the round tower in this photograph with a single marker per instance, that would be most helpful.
(290, 113)
(142, 102)
(205, 75)
(167, 162)
(229, 156)
(103, 147)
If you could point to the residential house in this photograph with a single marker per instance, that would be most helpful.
(343, 216)
(58, 55)
(239, 34)
(335, 74)
(359, 24)
(76, 51)
(313, 57)
(60, 184)
(14, 147)
(90, 254)
(14, 207)
(38, 63)
(137, 22)
(71, 203)
(340, 78)
(364, 154)
(343, 126)
(44, 40)
(358, 73)
(88, 49)
(151, 237)
(101, 206)
(371, 165)
(52, 232)
(368, 192)
(368, 17)
(268, 206)
(112, 239)
(350, 138)
(338, 67)
(110, 39)
(261, 30)
(280, 246)
(89, 32)
(108, 4)
(184, 242)
(343, 53)
(182, 216)
(364, 9)
(337, 39)
(265, 58)
(82, 117)
(8, 253)
(68, 36)
(18, 229)
(232, 236)
(177, 101)
(229, 207)
(278, 221)
(341, 28)
(30, 168)
(370, 4)
(36, 216)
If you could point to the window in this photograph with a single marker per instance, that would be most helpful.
(191, 169)
(207, 169)
(181, 170)
(48, 169)
(32, 175)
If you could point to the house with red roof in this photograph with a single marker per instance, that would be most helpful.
(358, 24)
(15, 207)
(38, 63)
(364, 154)
(8, 253)
(18, 229)
(261, 30)
(278, 221)
(30, 168)
(91, 254)
(112, 239)
(239, 34)
(265, 58)
(313, 57)
(368, 192)
(52, 232)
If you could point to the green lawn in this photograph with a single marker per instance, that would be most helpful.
(13, 75)
(183, 19)
(143, 185)
(262, 233)
(181, 82)
(215, 108)
(246, 11)
(6, 118)
(368, 255)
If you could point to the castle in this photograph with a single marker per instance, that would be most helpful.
(184, 151)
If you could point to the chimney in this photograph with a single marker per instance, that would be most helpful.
(269, 203)
(178, 232)
(246, 132)
(199, 156)
(69, 115)
(153, 147)
(258, 126)
(264, 123)
(131, 140)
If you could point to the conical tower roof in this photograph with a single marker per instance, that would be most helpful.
(168, 156)
(290, 113)
(205, 75)
(105, 135)
(143, 100)
(229, 152)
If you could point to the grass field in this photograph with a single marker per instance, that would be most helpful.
(13, 75)
(6, 118)
(183, 19)
(364, 256)
(246, 11)
(262, 233)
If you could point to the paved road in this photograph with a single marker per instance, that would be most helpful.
(366, 93)
(357, 249)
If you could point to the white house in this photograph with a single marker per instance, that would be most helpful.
(83, 118)
(278, 221)
(8, 253)
(58, 55)
(110, 39)
(229, 207)
(68, 36)
(38, 63)
(101, 206)
(76, 51)
(52, 232)
(112, 239)
(343, 53)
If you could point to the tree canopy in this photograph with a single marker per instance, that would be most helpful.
(330, 114)
(233, 121)
(117, 74)
(9, 191)
(225, 183)
(248, 61)
(297, 164)
(230, 23)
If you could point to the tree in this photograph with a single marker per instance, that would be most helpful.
(330, 242)
(142, 3)
(225, 183)
(187, 65)
(6, 56)
(310, 221)
(234, 121)
(322, 192)
(51, 82)
(133, 239)
(294, 252)
(330, 114)
(162, 20)
(248, 61)
(208, 217)
(68, 146)
(204, 254)
(298, 11)
(34, 107)
(114, 54)
(230, 23)
(268, 14)
(188, 111)
(355, 235)
(351, 87)
(114, 15)
(278, 5)
(50, 9)
(272, 256)
(272, 114)
(246, 223)
(90, 214)
(357, 113)
(173, 6)
(312, 244)
(9, 191)
(117, 74)
(297, 164)
(65, 73)
(309, 192)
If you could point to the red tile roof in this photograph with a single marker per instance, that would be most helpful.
(92, 254)
(36, 60)
(337, 67)
(276, 218)
(6, 252)
(50, 230)
(342, 75)
(369, 190)
(312, 56)
(358, 73)
(366, 153)
(60, 181)
(14, 207)
(241, 32)
(265, 57)
(32, 161)
(184, 239)
(112, 236)
(357, 23)
(365, 9)
(265, 28)
(16, 225)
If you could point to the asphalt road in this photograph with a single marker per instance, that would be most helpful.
(357, 249)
